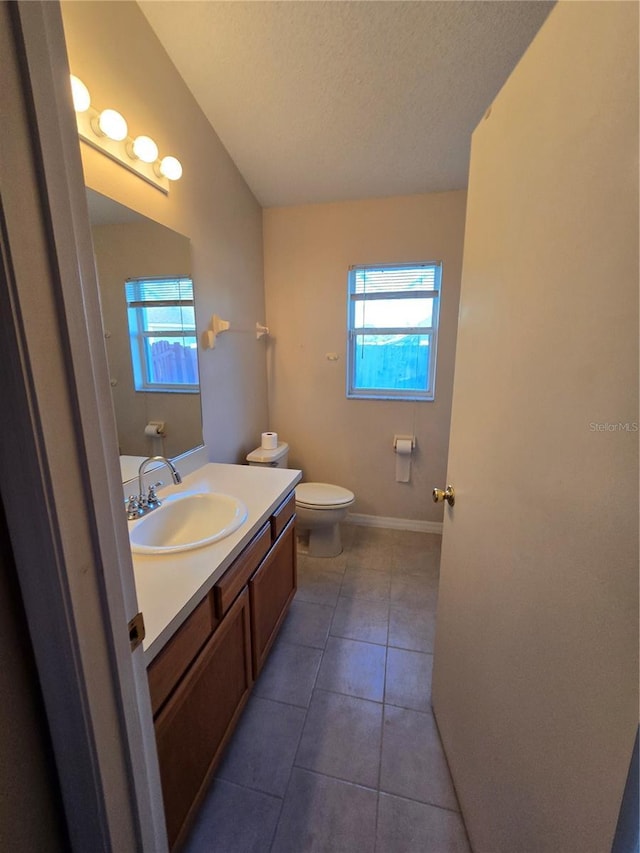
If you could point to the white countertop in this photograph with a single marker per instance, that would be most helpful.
(170, 586)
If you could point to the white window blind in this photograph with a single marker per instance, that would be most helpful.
(392, 331)
(141, 292)
(162, 334)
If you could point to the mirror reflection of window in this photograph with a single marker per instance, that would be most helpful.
(129, 246)
(162, 334)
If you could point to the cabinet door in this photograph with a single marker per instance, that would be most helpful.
(271, 589)
(196, 722)
(166, 670)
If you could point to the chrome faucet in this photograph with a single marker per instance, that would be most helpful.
(138, 505)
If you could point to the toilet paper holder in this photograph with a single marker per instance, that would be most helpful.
(397, 438)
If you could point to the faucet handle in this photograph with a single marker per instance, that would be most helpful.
(134, 509)
(152, 498)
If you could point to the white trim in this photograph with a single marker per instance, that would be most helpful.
(61, 478)
(394, 523)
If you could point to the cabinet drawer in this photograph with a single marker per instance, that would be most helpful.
(166, 670)
(237, 575)
(281, 516)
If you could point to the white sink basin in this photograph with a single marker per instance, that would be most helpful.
(187, 521)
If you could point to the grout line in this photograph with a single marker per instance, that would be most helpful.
(365, 642)
(421, 802)
(336, 778)
(384, 693)
(249, 788)
(279, 702)
(357, 640)
(407, 649)
(302, 728)
(282, 641)
(245, 788)
(348, 695)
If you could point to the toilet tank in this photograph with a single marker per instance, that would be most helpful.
(276, 458)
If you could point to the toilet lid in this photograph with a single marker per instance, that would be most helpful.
(323, 494)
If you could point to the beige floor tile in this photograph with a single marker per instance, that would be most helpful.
(323, 815)
(354, 668)
(361, 619)
(408, 679)
(405, 826)
(341, 738)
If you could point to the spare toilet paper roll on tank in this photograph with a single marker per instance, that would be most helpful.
(404, 449)
(269, 440)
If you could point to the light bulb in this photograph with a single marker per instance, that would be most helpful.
(113, 125)
(81, 96)
(145, 149)
(171, 168)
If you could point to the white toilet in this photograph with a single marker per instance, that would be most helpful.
(320, 507)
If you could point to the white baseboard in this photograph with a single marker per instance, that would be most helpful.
(394, 523)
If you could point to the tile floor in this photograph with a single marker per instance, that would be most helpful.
(337, 750)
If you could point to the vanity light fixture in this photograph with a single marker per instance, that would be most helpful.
(107, 132)
(171, 168)
(143, 148)
(111, 124)
(81, 96)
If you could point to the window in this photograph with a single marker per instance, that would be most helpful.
(162, 333)
(393, 329)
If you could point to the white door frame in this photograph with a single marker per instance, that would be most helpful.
(59, 470)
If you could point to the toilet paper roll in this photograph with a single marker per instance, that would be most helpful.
(404, 449)
(269, 440)
(155, 429)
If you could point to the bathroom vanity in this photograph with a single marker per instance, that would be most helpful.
(211, 617)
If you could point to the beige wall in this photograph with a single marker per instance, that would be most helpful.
(114, 51)
(307, 252)
(138, 250)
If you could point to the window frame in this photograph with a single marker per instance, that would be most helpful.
(354, 332)
(139, 335)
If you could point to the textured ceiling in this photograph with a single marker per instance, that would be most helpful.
(325, 101)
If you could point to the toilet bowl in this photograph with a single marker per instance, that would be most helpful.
(320, 507)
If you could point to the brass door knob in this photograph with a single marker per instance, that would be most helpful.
(449, 495)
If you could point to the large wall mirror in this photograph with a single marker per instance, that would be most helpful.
(148, 313)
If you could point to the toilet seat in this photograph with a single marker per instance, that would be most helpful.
(323, 496)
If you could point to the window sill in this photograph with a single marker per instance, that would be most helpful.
(409, 398)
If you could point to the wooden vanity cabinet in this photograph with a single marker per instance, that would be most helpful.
(195, 724)
(283, 514)
(271, 589)
(239, 573)
(167, 669)
(200, 681)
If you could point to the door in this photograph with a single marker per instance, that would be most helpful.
(536, 656)
(60, 484)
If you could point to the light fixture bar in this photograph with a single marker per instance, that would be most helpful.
(107, 131)
(118, 151)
